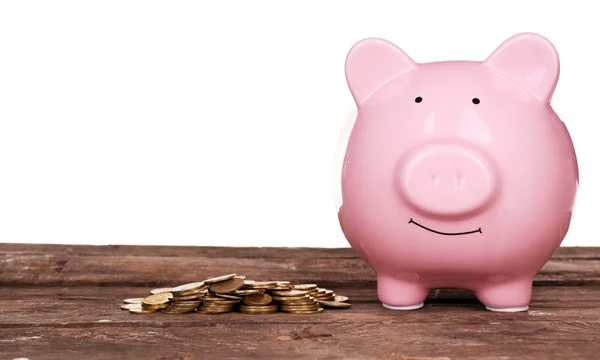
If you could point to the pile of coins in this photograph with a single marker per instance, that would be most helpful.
(227, 293)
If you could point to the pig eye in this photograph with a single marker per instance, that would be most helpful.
(476, 101)
(418, 99)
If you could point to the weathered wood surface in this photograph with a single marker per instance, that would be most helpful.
(140, 265)
(62, 302)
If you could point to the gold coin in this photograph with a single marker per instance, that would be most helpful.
(218, 303)
(212, 311)
(258, 312)
(304, 291)
(157, 299)
(287, 298)
(316, 296)
(262, 285)
(188, 289)
(258, 307)
(184, 305)
(258, 299)
(185, 298)
(282, 287)
(181, 304)
(221, 302)
(155, 307)
(211, 298)
(141, 311)
(318, 311)
(326, 299)
(227, 286)
(219, 279)
(184, 309)
(201, 291)
(131, 306)
(248, 291)
(188, 297)
(299, 302)
(177, 311)
(304, 287)
(336, 304)
(340, 298)
(262, 312)
(293, 298)
(227, 296)
(216, 307)
(288, 293)
(299, 307)
(133, 301)
(180, 308)
(161, 290)
(246, 282)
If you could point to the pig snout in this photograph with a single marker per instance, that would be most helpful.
(446, 179)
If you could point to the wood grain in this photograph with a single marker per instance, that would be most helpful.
(62, 322)
(62, 302)
(131, 265)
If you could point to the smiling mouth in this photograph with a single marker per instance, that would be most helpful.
(444, 233)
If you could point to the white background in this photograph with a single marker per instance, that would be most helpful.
(216, 123)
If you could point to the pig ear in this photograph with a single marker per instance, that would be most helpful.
(370, 63)
(531, 59)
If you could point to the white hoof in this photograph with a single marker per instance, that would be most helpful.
(410, 307)
(513, 309)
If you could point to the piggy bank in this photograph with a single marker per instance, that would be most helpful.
(456, 174)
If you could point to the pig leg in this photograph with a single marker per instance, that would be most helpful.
(398, 294)
(510, 296)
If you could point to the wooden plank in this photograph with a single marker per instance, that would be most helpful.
(86, 322)
(177, 251)
(66, 306)
(77, 267)
(82, 318)
(574, 252)
(535, 341)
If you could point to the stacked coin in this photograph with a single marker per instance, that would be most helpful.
(186, 297)
(227, 293)
(153, 303)
(219, 300)
(296, 302)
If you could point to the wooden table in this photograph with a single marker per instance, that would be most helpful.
(62, 302)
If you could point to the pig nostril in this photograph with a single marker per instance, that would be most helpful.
(460, 180)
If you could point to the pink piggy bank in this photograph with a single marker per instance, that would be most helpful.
(457, 174)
